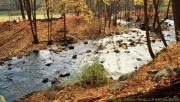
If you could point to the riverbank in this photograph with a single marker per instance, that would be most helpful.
(16, 38)
(141, 83)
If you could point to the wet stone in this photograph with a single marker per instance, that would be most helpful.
(139, 59)
(45, 80)
(2, 63)
(35, 51)
(117, 51)
(132, 44)
(74, 56)
(71, 47)
(85, 42)
(117, 33)
(153, 40)
(9, 68)
(9, 64)
(48, 64)
(126, 51)
(64, 74)
(88, 51)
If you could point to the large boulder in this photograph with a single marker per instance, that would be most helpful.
(127, 75)
(177, 70)
(166, 71)
(2, 99)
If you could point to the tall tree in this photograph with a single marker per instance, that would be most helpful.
(22, 9)
(146, 21)
(30, 6)
(158, 22)
(49, 20)
(176, 14)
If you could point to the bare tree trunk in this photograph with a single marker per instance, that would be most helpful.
(176, 14)
(49, 22)
(167, 12)
(28, 5)
(22, 9)
(65, 40)
(159, 25)
(146, 22)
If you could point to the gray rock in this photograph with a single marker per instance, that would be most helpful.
(117, 51)
(85, 42)
(2, 63)
(139, 59)
(163, 73)
(64, 74)
(88, 51)
(117, 33)
(132, 44)
(2, 99)
(48, 64)
(127, 75)
(35, 51)
(126, 51)
(74, 56)
(45, 80)
(95, 52)
(71, 47)
(177, 70)
(152, 71)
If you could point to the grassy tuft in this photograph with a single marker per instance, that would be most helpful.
(93, 75)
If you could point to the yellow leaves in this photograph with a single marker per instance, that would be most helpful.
(138, 2)
(107, 2)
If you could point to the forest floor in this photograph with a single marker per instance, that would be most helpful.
(16, 38)
(138, 84)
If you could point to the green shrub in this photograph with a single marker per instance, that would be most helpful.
(93, 75)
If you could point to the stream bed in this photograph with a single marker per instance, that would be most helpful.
(119, 53)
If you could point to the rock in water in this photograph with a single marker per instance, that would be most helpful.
(48, 64)
(85, 42)
(139, 59)
(163, 73)
(71, 47)
(45, 80)
(35, 51)
(2, 99)
(74, 56)
(64, 74)
(117, 33)
(117, 51)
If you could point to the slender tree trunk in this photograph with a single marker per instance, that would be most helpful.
(22, 9)
(176, 14)
(159, 25)
(115, 9)
(147, 30)
(167, 12)
(154, 22)
(28, 5)
(65, 40)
